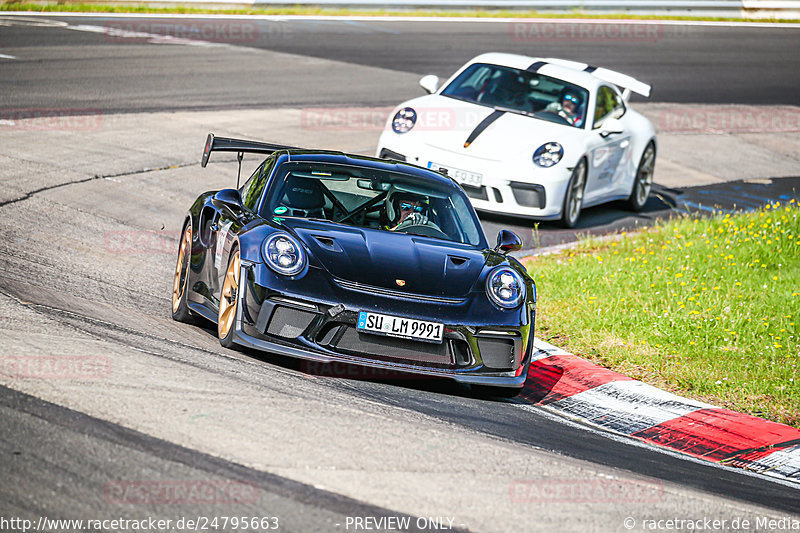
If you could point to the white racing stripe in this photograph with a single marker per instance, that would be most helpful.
(545, 349)
(152, 38)
(626, 406)
(544, 411)
(785, 463)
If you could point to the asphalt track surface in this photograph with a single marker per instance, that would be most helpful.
(697, 64)
(59, 461)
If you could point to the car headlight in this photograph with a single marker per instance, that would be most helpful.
(284, 254)
(404, 120)
(505, 287)
(548, 154)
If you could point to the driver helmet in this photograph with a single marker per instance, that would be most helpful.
(572, 96)
(398, 202)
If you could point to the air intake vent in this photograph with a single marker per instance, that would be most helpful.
(457, 261)
(328, 243)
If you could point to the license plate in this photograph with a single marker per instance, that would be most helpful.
(396, 326)
(464, 177)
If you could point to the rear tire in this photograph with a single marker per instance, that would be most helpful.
(643, 181)
(573, 199)
(180, 308)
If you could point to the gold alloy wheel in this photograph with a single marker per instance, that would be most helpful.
(227, 301)
(179, 284)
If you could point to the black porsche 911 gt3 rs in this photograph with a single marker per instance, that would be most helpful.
(334, 257)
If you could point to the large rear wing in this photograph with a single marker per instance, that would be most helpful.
(224, 144)
(627, 83)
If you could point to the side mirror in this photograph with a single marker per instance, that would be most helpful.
(230, 200)
(430, 83)
(507, 241)
(611, 126)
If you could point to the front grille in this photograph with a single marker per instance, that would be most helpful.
(366, 344)
(474, 192)
(346, 339)
(528, 194)
(288, 322)
(389, 154)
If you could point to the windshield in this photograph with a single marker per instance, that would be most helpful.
(370, 198)
(520, 91)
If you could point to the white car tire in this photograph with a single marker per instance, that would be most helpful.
(643, 181)
(573, 198)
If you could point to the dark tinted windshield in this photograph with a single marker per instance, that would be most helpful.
(371, 198)
(522, 92)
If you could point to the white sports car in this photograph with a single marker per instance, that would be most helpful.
(538, 138)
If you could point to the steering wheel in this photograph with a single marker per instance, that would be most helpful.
(553, 117)
(425, 230)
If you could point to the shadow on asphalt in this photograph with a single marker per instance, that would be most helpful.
(663, 203)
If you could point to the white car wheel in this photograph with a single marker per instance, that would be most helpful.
(643, 181)
(573, 199)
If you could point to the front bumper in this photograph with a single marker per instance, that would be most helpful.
(534, 192)
(279, 317)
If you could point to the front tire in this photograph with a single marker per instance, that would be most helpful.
(643, 181)
(573, 199)
(229, 301)
(180, 308)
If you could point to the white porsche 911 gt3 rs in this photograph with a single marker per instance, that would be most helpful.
(538, 138)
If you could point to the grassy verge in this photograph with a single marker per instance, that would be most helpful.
(68, 7)
(704, 307)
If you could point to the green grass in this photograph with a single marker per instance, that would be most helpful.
(704, 307)
(75, 7)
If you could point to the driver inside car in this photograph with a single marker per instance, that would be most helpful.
(568, 108)
(405, 209)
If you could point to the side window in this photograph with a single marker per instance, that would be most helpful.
(608, 104)
(249, 180)
(252, 189)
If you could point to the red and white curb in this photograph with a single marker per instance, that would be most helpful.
(578, 389)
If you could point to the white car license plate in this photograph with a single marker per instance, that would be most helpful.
(395, 326)
(464, 177)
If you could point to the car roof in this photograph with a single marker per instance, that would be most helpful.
(563, 69)
(341, 158)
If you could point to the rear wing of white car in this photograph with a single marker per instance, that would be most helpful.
(627, 83)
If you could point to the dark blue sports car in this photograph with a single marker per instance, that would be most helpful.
(334, 257)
